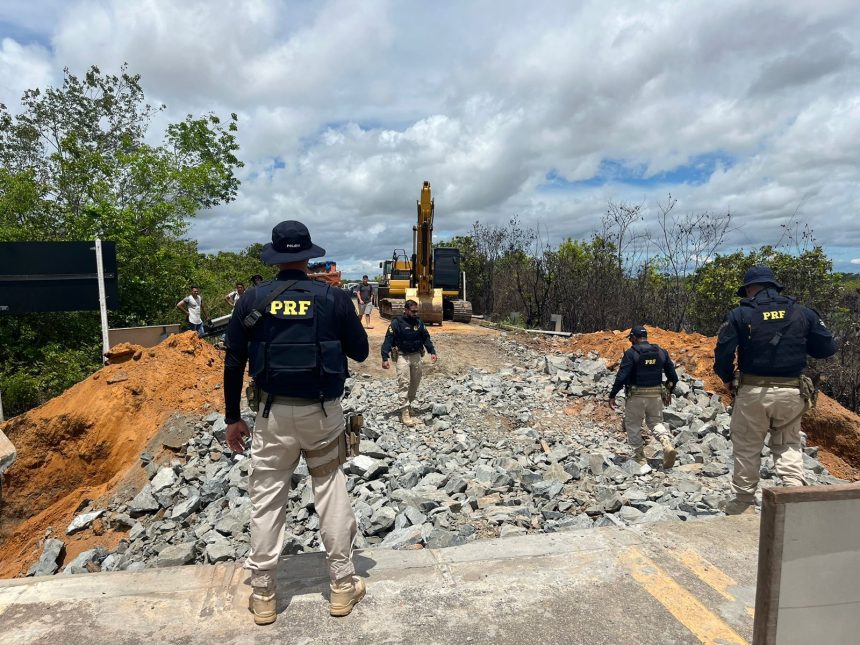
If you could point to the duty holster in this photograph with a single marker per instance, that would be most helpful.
(808, 391)
(352, 433)
(347, 446)
(666, 394)
(253, 394)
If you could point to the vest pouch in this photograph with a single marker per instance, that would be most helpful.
(292, 358)
(331, 357)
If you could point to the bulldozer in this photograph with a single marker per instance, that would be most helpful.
(429, 276)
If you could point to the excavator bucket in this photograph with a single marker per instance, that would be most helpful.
(429, 306)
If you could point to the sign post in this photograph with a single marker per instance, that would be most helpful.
(102, 298)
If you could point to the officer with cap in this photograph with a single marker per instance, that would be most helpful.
(641, 375)
(772, 334)
(406, 339)
(297, 334)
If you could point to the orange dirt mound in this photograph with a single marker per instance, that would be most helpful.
(830, 426)
(83, 443)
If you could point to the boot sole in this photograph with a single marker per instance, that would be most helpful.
(339, 612)
(264, 620)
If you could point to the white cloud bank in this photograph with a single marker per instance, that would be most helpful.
(344, 112)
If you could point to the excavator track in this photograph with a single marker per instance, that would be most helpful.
(461, 311)
(390, 308)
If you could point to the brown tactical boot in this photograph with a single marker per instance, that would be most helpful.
(737, 506)
(406, 416)
(262, 604)
(639, 455)
(669, 452)
(345, 594)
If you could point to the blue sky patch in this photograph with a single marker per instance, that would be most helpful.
(23, 35)
(616, 171)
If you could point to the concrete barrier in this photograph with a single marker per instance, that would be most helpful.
(7, 453)
(809, 565)
(149, 336)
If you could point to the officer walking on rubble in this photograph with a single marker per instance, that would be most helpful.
(641, 375)
(297, 334)
(772, 334)
(406, 340)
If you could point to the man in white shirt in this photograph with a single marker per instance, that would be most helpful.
(192, 306)
(233, 297)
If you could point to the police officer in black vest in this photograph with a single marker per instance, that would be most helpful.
(297, 334)
(772, 335)
(641, 375)
(406, 340)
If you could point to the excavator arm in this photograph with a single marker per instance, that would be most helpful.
(423, 244)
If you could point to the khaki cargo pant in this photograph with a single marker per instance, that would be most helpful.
(275, 449)
(757, 411)
(647, 408)
(408, 377)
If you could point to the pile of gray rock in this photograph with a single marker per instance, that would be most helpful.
(494, 456)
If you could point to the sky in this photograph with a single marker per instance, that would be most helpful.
(542, 110)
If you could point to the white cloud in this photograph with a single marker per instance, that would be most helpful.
(22, 67)
(855, 261)
(359, 107)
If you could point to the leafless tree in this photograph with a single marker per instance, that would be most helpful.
(686, 242)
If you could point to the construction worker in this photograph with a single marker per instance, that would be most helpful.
(406, 340)
(641, 375)
(297, 334)
(772, 334)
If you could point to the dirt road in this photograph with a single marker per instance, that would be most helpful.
(458, 346)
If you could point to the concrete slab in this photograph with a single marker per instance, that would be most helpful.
(667, 583)
(7, 453)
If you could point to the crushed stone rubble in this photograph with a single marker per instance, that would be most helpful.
(494, 456)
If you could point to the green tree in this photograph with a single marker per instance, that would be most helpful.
(77, 162)
(807, 276)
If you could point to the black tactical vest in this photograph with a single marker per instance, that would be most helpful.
(772, 333)
(295, 350)
(409, 336)
(648, 369)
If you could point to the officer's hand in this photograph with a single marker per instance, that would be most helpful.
(433, 358)
(385, 365)
(612, 402)
(236, 435)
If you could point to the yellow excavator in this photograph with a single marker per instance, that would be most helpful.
(430, 276)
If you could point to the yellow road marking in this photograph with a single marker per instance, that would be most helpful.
(701, 621)
(711, 575)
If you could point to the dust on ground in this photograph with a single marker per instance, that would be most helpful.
(82, 444)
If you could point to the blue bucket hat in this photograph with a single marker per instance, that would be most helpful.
(758, 275)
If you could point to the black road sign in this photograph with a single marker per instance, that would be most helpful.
(55, 276)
